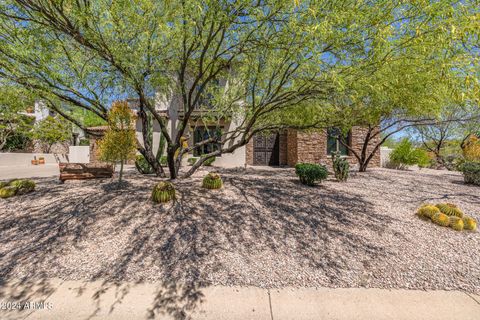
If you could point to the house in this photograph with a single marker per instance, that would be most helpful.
(285, 148)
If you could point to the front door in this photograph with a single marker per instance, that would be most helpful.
(266, 149)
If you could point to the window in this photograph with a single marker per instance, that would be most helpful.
(333, 141)
(203, 133)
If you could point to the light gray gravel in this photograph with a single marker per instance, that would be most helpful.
(263, 229)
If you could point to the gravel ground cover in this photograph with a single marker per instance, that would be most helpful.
(262, 229)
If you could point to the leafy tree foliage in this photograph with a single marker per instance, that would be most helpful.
(119, 142)
(264, 64)
(15, 125)
(50, 131)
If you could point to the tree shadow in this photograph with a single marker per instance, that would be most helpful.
(184, 246)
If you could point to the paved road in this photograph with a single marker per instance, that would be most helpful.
(97, 300)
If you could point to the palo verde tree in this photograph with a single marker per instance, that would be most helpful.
(119, 143)
(15, 125)
(431, 68)
(263, 65)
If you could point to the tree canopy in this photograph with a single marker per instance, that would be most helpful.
(265, 64)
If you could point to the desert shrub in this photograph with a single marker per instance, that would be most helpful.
(471, 172)
(192, 161)
(209, 161)
(450, 209)
(212, 181)
(142, 165)
(163, 192)
(469, 223)
(428, 211)
(453, 162)
(310, 173)
(84, 142)
(7, 192)
(341, 167)
(163, 161)
(441, 219)
(471, 149)
(3, 184)
(456, 223)
(22, 186)
(405, 155)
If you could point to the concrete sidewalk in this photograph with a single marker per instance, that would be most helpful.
(102, 300)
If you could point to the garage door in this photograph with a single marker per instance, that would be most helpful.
(266, 149)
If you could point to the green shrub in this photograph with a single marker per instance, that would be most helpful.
(341, 167)
(209, 161)
(84, 142)
(310, 173)
(22, 186)
(142, 165)
(212, 181)
(7, 192)
(163, 192)
(471, 172)
(192, 161)
(163, 161)
(3, 184)
(406, 155)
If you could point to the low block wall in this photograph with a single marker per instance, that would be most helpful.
(20, 159)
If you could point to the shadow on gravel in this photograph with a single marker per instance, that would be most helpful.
(257, 211)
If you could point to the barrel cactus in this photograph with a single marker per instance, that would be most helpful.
(163, 192)
(7, 192)
(450, 209)
(456, 223)
(341, 167)
(469, 223)
(212, 181)
(441, 219)
(23, 186)
(428, 210)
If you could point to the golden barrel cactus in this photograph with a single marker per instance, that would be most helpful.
(450, 209)
(441, 219)
(163, 192)
(469, 223)
(212, 181)
(7, 192)
(456, 223)
(427, 210)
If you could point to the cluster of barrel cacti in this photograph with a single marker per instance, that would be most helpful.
(165, 191)
(16, 187)
(447, 215)
(212, 181)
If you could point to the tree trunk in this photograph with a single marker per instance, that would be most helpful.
(147, 143)
(120, 174)
(171, 162)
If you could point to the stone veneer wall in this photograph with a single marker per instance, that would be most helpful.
(249, 153)
(311, 147)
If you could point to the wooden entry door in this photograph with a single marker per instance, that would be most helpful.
(266, 148)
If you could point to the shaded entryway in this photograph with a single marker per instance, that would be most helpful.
(266, 149)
